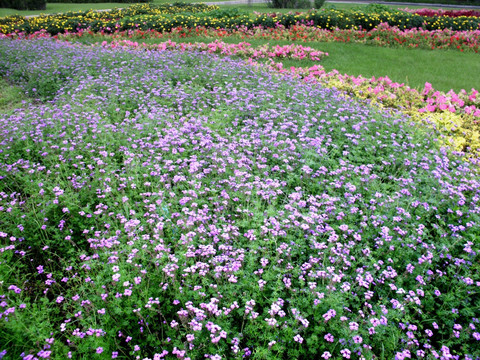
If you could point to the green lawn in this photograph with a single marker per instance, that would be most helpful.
(11, 97)
(444, 69)
(61, 7)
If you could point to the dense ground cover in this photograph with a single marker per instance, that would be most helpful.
(455, 113)
(175, 204)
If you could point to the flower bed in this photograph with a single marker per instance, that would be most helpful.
(244, 49)
(457, 116)
(162, 19)
(71, 21)
(180, 205)
(382, 35)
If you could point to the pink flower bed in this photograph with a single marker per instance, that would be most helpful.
(243, 49)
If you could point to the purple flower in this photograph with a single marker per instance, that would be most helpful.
(329, 314)
(329, 337)
(357, 339)
(298, 338)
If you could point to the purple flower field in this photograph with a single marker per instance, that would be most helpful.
(163, 205)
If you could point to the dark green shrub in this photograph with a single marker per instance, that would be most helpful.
(319, 3)
(24, 4)
(225, 13)
(281, 4)
(303, 4)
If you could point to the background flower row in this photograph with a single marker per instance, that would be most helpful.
(163, 18)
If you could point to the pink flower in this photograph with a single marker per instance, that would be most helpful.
(427, 88)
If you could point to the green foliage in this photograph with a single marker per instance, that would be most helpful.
(378, 8)
(225, 13)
